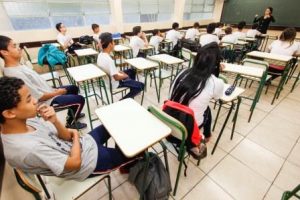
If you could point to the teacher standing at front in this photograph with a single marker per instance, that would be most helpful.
(264, 21)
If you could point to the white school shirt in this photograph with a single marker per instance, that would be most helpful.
(284, 48)
(230, 39)
(136, 43)
(218, 31)
(174, 36)
(62, 39)
(239, 35)
(154, 41)
(252, 33)
(208, 38)
(191, 33)
(96, 37)
(106, 63)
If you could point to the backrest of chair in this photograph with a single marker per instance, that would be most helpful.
(256, 63)
(186, 54)
(28, 180)
(26, 52)
(178, 129)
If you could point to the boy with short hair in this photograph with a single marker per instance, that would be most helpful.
(43, 145)
(240, 33)
(174, 35)
(96, 32)
(191, 33)
(66, 96)
(253, 32)
(229, 37)
(62, 38)
(138, 41)
(118, 78)
(156, 39)
(209, 37)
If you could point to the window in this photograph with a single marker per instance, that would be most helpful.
(198, 9)
(43, 14)
(147, 10)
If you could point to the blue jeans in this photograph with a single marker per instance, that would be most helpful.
(70, 100)
(135, 86)
(108, 158)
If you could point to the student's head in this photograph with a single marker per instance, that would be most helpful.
(196, 25)
(156, 32)
(269, 11)
(60, 27)
(219, 25)
(211, 28)
(190, 84)
(175, 26)
(288, 34)
(254, 26)
(228, 30)
(9, 50)
(106, 41)
(137, 30)
(16, 102)
(96, 28)
(241, 25)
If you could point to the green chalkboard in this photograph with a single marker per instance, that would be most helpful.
(285, 12)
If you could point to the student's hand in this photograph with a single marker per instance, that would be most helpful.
(143, 35)
(61, 91)
(74, 134)
(47, 113)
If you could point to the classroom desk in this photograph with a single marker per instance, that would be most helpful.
(82, 75)
(248, 39)
(269, 57)
(147, 49)
(167, 45)
(83, 53)
(120, 50)
(228, 99)
(144, 65)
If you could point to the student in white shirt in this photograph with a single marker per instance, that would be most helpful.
(239, 33)
(229, 37)
(138, 41)
(209, 37)
(285, 45)
(118, 78)
(195, 87)
(218, 30)
(193, 32)
(174, 35)
(253, 32)
(96, 32)
(62, 38)
(156, 39)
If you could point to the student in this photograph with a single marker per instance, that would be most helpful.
(156, 39)
(209, 37)
(118, 78)
(138, 41)
(96, 32)
(253, 32)
(191, 33)
(229, 37)
(62, 38)
(218, 30)
(264, 21)
(285, 45)
(239, 33)
(174, 35)
(43, 145)
(66, 96)
(195, 87)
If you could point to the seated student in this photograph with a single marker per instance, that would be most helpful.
(174, 35)
(191, 33)
(253, 32)
(209, 37)
(285, 45)
(218, 30)
(96, 32)
(229, 37)
(195, 87)
(239, 33)
(62, 38)
(66, 96)
(42, 145)
(156, 39)
(138, 41)
(118, 78)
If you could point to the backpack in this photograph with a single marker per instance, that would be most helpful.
(86, 39)
(157, 184)
(190, 44)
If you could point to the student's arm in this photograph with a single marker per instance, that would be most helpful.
(74, 159)
(144, 38)
(46, 96)
(256, 19)
(120, 76)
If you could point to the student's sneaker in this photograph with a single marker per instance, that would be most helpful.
(81, 115)
(77, 125)
(198, 152)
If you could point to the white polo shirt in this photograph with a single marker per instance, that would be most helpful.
(106, 63)
(174, 36)
(136, 43)
(252, 33)
(239, 35)
(191, 33)
(230, 38)
(154, 41)
(208, 38)
(62, 39)
(284, 48)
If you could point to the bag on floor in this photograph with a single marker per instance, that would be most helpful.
(157, 184)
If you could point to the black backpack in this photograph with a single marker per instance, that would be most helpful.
(86, 39)
(157, 184)
(190, 44)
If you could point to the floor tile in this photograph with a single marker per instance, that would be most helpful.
(289, 177)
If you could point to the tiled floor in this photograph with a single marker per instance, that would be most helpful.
(261, 161)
